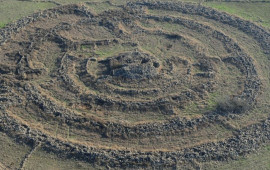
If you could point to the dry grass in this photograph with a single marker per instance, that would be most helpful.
(153, 45)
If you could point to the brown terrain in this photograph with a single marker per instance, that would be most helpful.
(136, 86)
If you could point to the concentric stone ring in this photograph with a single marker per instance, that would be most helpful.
(137, 86)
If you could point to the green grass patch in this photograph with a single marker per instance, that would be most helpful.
(85, 47)
(101, 7)
(41, 160)
(256, 12)
(255, 161)
(74, 1)
(194, 108)
(108, 51)
(212, 101)
(12, 10)
(2, 25)
(11, 152)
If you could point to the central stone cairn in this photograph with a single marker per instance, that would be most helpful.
(134, 65)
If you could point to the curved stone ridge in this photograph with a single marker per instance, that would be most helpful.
(130, 80)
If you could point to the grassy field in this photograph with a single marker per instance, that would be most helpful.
(257, 12)
(11, 10)
(12, 155)
(254, 161)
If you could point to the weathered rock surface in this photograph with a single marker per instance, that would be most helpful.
(127, 83)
